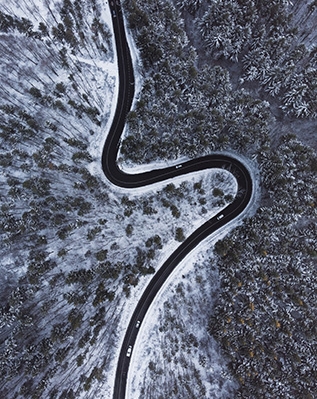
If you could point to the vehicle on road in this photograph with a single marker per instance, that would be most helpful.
(138, 324)
(129, 351)
(220, 216)
(178, 166)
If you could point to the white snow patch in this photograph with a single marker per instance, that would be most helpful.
(141, 354)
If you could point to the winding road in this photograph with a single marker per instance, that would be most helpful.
(119, 178)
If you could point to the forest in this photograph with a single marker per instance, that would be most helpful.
(231, 75)
(241, 76)
(75, 252)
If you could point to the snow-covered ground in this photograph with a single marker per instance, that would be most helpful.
(148, 346)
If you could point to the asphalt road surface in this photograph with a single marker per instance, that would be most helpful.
(119, 178)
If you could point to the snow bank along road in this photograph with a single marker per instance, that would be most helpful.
(119, 178)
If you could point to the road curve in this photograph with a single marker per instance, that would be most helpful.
(119, 178)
